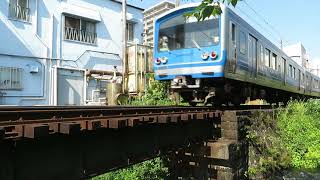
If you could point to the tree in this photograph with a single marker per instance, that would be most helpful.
(209, 8)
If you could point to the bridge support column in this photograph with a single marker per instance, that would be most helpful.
(223, 158)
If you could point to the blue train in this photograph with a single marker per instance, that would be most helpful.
(224, 60)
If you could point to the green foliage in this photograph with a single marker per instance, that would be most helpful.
(267, 152)
(300, 124)
(289, 138)
(209, 8)
(149, 170)
(157, 93)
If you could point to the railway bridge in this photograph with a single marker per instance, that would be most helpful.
(39, 143)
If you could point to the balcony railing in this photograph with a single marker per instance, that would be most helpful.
(80, 35)
(19, 12)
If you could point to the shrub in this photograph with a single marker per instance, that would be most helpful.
(300, 125)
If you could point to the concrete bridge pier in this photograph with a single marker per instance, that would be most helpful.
(224, 157)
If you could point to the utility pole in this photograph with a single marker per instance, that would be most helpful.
(177, 3)
(124, 43)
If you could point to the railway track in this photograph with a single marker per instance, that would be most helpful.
(33, 122)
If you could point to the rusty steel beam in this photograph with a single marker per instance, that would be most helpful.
(27, 122)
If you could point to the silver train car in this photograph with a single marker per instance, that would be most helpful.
(225, 60)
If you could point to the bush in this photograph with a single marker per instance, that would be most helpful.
(157, 93)
(300, 124)
(286, 138)
(148, 170)
(267, 153)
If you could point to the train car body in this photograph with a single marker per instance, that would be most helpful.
(223, 59)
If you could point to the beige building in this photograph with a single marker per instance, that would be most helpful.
(149, 16)
(298, 53)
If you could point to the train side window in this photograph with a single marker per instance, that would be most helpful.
(294, 73)
(274, 61)
(261, 55)
(290, 71)
(243, 43)
(283, 65)
(233, 31)
(267, 57)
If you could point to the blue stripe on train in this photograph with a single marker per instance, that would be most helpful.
(197, 75)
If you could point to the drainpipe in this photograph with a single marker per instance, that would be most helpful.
(124, 43)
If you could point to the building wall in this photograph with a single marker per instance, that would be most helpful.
(40, 44)
(149, 16)
(298, 53)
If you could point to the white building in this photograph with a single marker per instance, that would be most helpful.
(58, 52)
(298, 53)
(150, 14)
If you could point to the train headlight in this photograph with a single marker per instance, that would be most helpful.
(164, 60)
(157, 61)
(213, 55)
(205, 56)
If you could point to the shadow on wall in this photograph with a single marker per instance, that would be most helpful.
(43, 14)
(108, 20)
(14, 43)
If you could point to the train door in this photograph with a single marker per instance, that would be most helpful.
(252, 54)
(232, 63)
(284, 72)
(300, 82)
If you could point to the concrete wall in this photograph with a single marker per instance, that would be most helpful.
(41, 39)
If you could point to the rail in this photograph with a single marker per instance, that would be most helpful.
(32, 122)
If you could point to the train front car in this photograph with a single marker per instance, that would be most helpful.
(190, 54)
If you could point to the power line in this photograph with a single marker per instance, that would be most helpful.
(265, 21)
(271, 35)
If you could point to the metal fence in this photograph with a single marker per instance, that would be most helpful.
(19, 12)
(80, 35)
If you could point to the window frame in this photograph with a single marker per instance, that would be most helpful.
(262, 55)
(132, 24)
(274, 61)
(16, 4)
(267, 59)
(243, 42)
(290, 71)
(80, 29)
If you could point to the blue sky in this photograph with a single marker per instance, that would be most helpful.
(294, 20)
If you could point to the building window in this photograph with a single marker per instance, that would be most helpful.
(10, 78)
(77, 29)
(267, 58)
(243, 43)
(130, 31)
(19, 9)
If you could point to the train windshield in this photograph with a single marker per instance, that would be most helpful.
(183, 33)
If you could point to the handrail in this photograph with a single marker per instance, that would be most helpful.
(74, 34)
